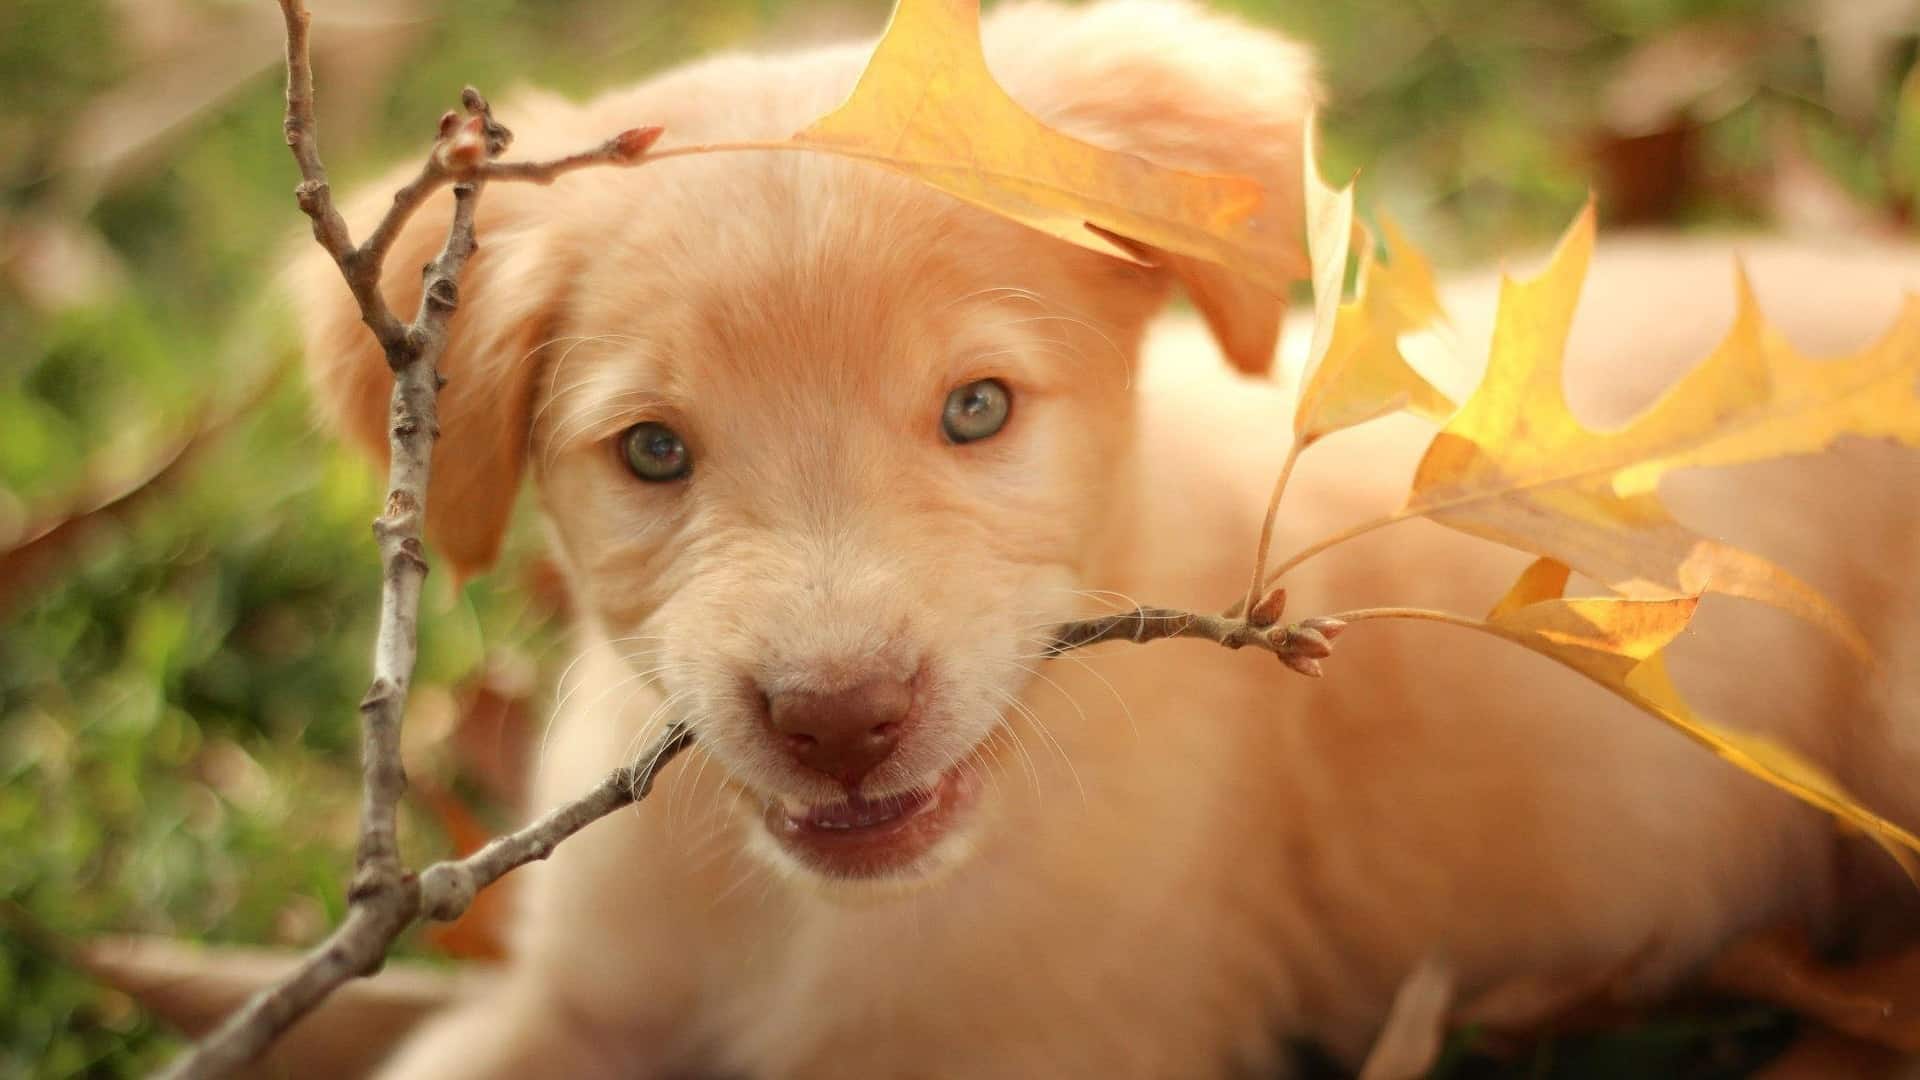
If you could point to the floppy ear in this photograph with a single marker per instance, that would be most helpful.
(509, 297)
(1183, 87)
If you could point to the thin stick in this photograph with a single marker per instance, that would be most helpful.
(384, 897)
(1301, 646)
(448, 888)
(444, 891)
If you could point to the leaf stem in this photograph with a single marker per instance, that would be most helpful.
(1257, 585)
(1421, 614)
(1352, 532)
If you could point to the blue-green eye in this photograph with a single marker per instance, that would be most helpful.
(655, 453)
(976, 410)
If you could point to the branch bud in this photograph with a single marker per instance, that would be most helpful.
(1268, 610)
(1302, 640)
(1305, 665)
(465, 150)
(498, 138)
(1326, 626)
(631, 144)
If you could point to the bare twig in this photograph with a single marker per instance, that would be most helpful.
(359, 945)
(447, 888)
(623, 149)
(385, 898)
(1301, 646)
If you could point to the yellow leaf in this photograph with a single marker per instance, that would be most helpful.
(927, 106)
(1408, 280)
(1618, 641)
(1543, 579)
(1363, 374)
(1329, 239)
(1771, 401)
(1515, 466)
(1354, 371)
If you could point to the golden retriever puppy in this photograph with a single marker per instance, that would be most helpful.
(824, 454)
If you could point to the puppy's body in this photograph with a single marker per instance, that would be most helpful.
(1168, 856)
(1217, 851)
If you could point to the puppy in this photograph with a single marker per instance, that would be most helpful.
(823, 453)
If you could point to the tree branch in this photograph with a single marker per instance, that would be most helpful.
(444, 891)
(1301, 646)
(447, 888)
(385, 898)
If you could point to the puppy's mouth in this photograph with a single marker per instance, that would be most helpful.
(894, 835)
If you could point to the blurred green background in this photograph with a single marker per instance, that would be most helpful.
(177, 678)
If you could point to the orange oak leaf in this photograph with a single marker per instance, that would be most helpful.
(1618, 642)
(1515, 466)
(1355, 371)
(928, 106)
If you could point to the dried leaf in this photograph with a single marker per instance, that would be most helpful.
(1416, 1025)
(927, 106)
(1618, 642)
(1515, 466)
(1329, 240)
(1364, 375)
(1355, 371)
(1877, 1000)
(1543, 579)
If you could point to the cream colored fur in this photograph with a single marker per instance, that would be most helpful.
(1180, 854)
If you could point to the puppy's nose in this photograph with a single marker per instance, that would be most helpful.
(846, 733)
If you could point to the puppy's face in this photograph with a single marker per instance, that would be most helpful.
(824, 451)
(825, 480)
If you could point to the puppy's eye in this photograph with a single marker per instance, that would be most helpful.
(976, 410)
(655, 453)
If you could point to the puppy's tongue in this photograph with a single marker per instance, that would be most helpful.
(859, 813)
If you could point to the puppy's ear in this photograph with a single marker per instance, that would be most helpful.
(509, 295)
(1183, 87)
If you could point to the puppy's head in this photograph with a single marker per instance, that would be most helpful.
(824, 451)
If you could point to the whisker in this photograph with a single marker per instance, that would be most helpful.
(1001, 732)
(1118, 698)
(566, 695)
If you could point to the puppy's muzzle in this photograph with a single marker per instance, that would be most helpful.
(845, 734)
